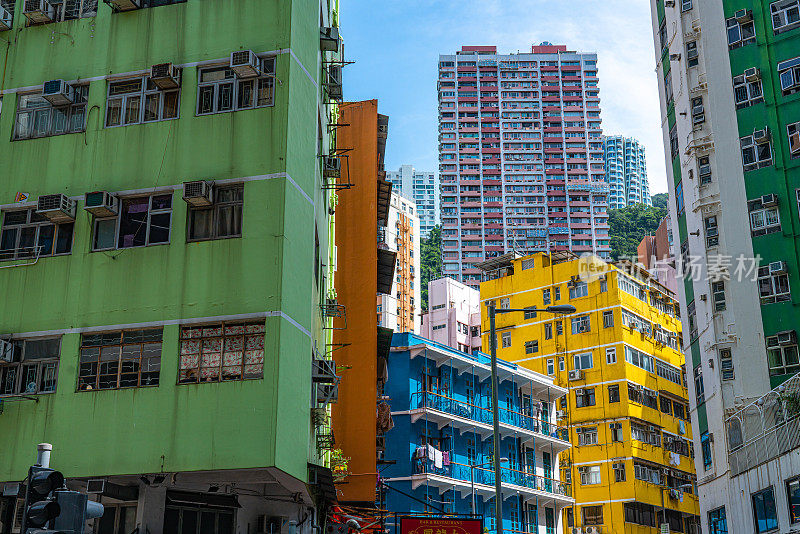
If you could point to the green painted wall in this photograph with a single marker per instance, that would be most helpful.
(783, 177)
(270, 269)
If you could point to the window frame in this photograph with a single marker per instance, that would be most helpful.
(769, 527)
(118, 222)
(739, 41)
(611, 355)
(754, 92)
(794, 516)
(753, 151)
(775, 8)
(255, 329)
(37, 225)
(614, 397)
(718, 296)
(44, 367)
(69, 112)
(608, 319)
(142, 94)
(793, 129)
(269, 74)
(215, 208)
(98, 361)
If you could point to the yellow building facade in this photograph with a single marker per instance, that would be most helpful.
(631, 464)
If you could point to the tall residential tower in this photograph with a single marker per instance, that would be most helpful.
(521, 155)
(729, 73)
(422, 188)
(626, 172)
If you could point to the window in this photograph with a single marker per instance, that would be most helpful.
(74, 9)
(219, 90)
(698, 111)
(773, 286)
(718, 292)
(222, 219)
(142, 221)
(557, 293)
(717, 523)
(789, 73)
(673, 142)
(590, 474)
(603, 285)
(33, 368)
(551, 370)
(527, 263)
(578, 289)
(746, 92)
(782, 354)
(647, 472)
(198, 518)
(139, 100)
(666, 404)
(639, 359)
(686, 5)
(546, 296)
(113, 360)
(679, 205)
(611, 355)
(692, 55)
(764, 514)
(705, 449)
(36, 117)
(613, 394)
(506, 339)
(619, 471)
(559, 328)
(793, 498)
(712, 231)
(592, 515)
(763, 219)
(639, 513)
(580, 324)
(670, 372)
(755, 155)
(530, 312)
(26, 234)
(561, 362)
(616, 428)
(741, 31)
(793, 132)
(221, 352)
(698, 385)
(583, 361)
(505, 303)
(531, 347)
(116, 519)
(645, 434)
(662, 35)
(785, 15)
(584, 397)
(704, 170)
(608, 319)
(548, 331)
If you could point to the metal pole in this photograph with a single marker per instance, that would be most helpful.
(472, 485)
(498, 486)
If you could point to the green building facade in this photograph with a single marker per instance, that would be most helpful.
(162, 340)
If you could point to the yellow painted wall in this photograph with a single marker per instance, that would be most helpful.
(524, 288)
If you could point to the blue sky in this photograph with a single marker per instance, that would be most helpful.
(396, 46)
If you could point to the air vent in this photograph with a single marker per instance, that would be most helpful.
(57, 208)
(165, 76)
(245, 64)
(58, 93)
(199, 193)
(39, 11)
(101, 204)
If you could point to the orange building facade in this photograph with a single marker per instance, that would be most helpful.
(366, 268)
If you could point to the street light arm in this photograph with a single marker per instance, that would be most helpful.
(559, 309)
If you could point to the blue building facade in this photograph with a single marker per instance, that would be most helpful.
(440, 449)
(626, 172)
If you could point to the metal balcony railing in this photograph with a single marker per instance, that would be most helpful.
(485, 476)
(483, 414)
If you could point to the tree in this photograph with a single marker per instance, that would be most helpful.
(627, 227)
(430, 261)
(660, 200)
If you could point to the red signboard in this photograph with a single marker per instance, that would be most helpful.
(440, 525)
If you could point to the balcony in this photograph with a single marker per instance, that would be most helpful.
(457, 475)
(443, 410)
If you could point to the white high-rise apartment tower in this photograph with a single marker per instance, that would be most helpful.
(422, 188)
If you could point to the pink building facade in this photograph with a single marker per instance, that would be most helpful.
(521, 161)
(454, 315)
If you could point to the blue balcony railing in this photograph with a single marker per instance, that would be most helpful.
(481, 414)
(485, 476)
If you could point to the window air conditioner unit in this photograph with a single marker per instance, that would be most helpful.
(329, 39)
(6, 351)
(58, 93)
(245, 64)
(591, 530)
(577, 530)
(579, 391)
(752, 74)
(124, 5)
(787, 337)
(58, 208)
(165, 76)
(761, 136)
(743, 15)
(198, 193)
(101, 204)
(331, 167)
(38, 11)
(576, 374)
(6, 19)
(669, 3)
(334, 82)
(674, 57)
(560, 414)
(777, 267)
(769, 200)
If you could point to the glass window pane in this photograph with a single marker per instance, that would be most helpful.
(104, 234)
(216, 74)
(114, 112)
(64, 238)
(229, 221)
(189, 523)
(133, 223)
(128, 86)
(246, 93)
(44, 243)
(170, 105)
(132, 109)
(265, 91)
(225, 97)
(205, 102)
(200, 223)
(159, 228)
(151, 104)
(60, 120)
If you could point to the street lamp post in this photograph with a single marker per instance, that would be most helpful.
(561, 309)
(472, 478)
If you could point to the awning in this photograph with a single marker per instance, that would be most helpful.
(384, 342)
(386, 262)
(384, 200)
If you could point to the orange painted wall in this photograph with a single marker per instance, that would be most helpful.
(354, 416)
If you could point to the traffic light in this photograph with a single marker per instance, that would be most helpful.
(75, 510)
(40, 504)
